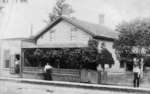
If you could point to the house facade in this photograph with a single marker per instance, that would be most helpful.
(71, 33)
(10, 49)
(62, 33)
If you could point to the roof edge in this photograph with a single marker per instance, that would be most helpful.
(48, 27)
(104, 38)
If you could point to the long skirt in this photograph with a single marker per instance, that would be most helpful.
(17, 69)
(136, 80)
(48, 75)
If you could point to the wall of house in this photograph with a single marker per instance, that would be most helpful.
(116, 66)
(28, 44)
(64, 33)
(8, 50)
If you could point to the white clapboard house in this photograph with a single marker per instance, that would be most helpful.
(71, 32)
(64, 32)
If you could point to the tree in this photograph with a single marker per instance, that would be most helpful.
(60, 9)
(106, 58)
(133, 34)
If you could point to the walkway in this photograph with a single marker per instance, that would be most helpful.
(28, 86)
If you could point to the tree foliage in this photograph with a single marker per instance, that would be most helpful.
(60, 9)
(135, 33)
(69, 58)
(106, 57)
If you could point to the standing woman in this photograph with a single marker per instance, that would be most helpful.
(17, 66)
(136, 71)
(48, 72)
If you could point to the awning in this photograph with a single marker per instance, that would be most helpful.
(26, 44)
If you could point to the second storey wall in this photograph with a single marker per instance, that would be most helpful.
(64, 33)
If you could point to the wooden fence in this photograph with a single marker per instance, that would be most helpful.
(72, 75)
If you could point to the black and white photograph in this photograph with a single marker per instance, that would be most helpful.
(74, 46)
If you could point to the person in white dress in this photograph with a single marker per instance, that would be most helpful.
(17, 67)
(48, 72)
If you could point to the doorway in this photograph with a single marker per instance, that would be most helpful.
(129, 66)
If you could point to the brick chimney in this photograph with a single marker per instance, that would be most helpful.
(101, 19)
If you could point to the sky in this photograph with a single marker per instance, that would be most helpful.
(115, 11)
(17, 20)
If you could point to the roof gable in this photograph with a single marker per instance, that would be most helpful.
(95, 30)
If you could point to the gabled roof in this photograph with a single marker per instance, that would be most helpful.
(95, 30)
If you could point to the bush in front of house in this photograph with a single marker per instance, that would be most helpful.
(106, 58)
(69, 58)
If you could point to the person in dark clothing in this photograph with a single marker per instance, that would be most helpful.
(136, 71)
(48, 72)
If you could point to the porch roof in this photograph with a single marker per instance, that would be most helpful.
(54, 45)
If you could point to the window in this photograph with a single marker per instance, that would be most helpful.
(103, 45)
(23, 0)
(52, 35)
(122, 64)
(5, 1)
(6, 59)
(73, 35)
(17, 56)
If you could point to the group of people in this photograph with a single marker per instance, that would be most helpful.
(137, 70)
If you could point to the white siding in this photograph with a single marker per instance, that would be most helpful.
(14, 47)
(62, 34)
(116, 66)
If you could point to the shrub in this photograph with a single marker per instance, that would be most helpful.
(69, 58)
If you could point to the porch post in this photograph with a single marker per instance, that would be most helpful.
(22, 62)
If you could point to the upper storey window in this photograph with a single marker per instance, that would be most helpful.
(73, 35)
(21, 1)
(52, 35)
(4, 1)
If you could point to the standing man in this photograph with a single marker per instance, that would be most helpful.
(48, 72)
(99, 70)
(136, 71)
(17, 67)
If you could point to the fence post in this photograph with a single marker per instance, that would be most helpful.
(22, 62)
(99, 77)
